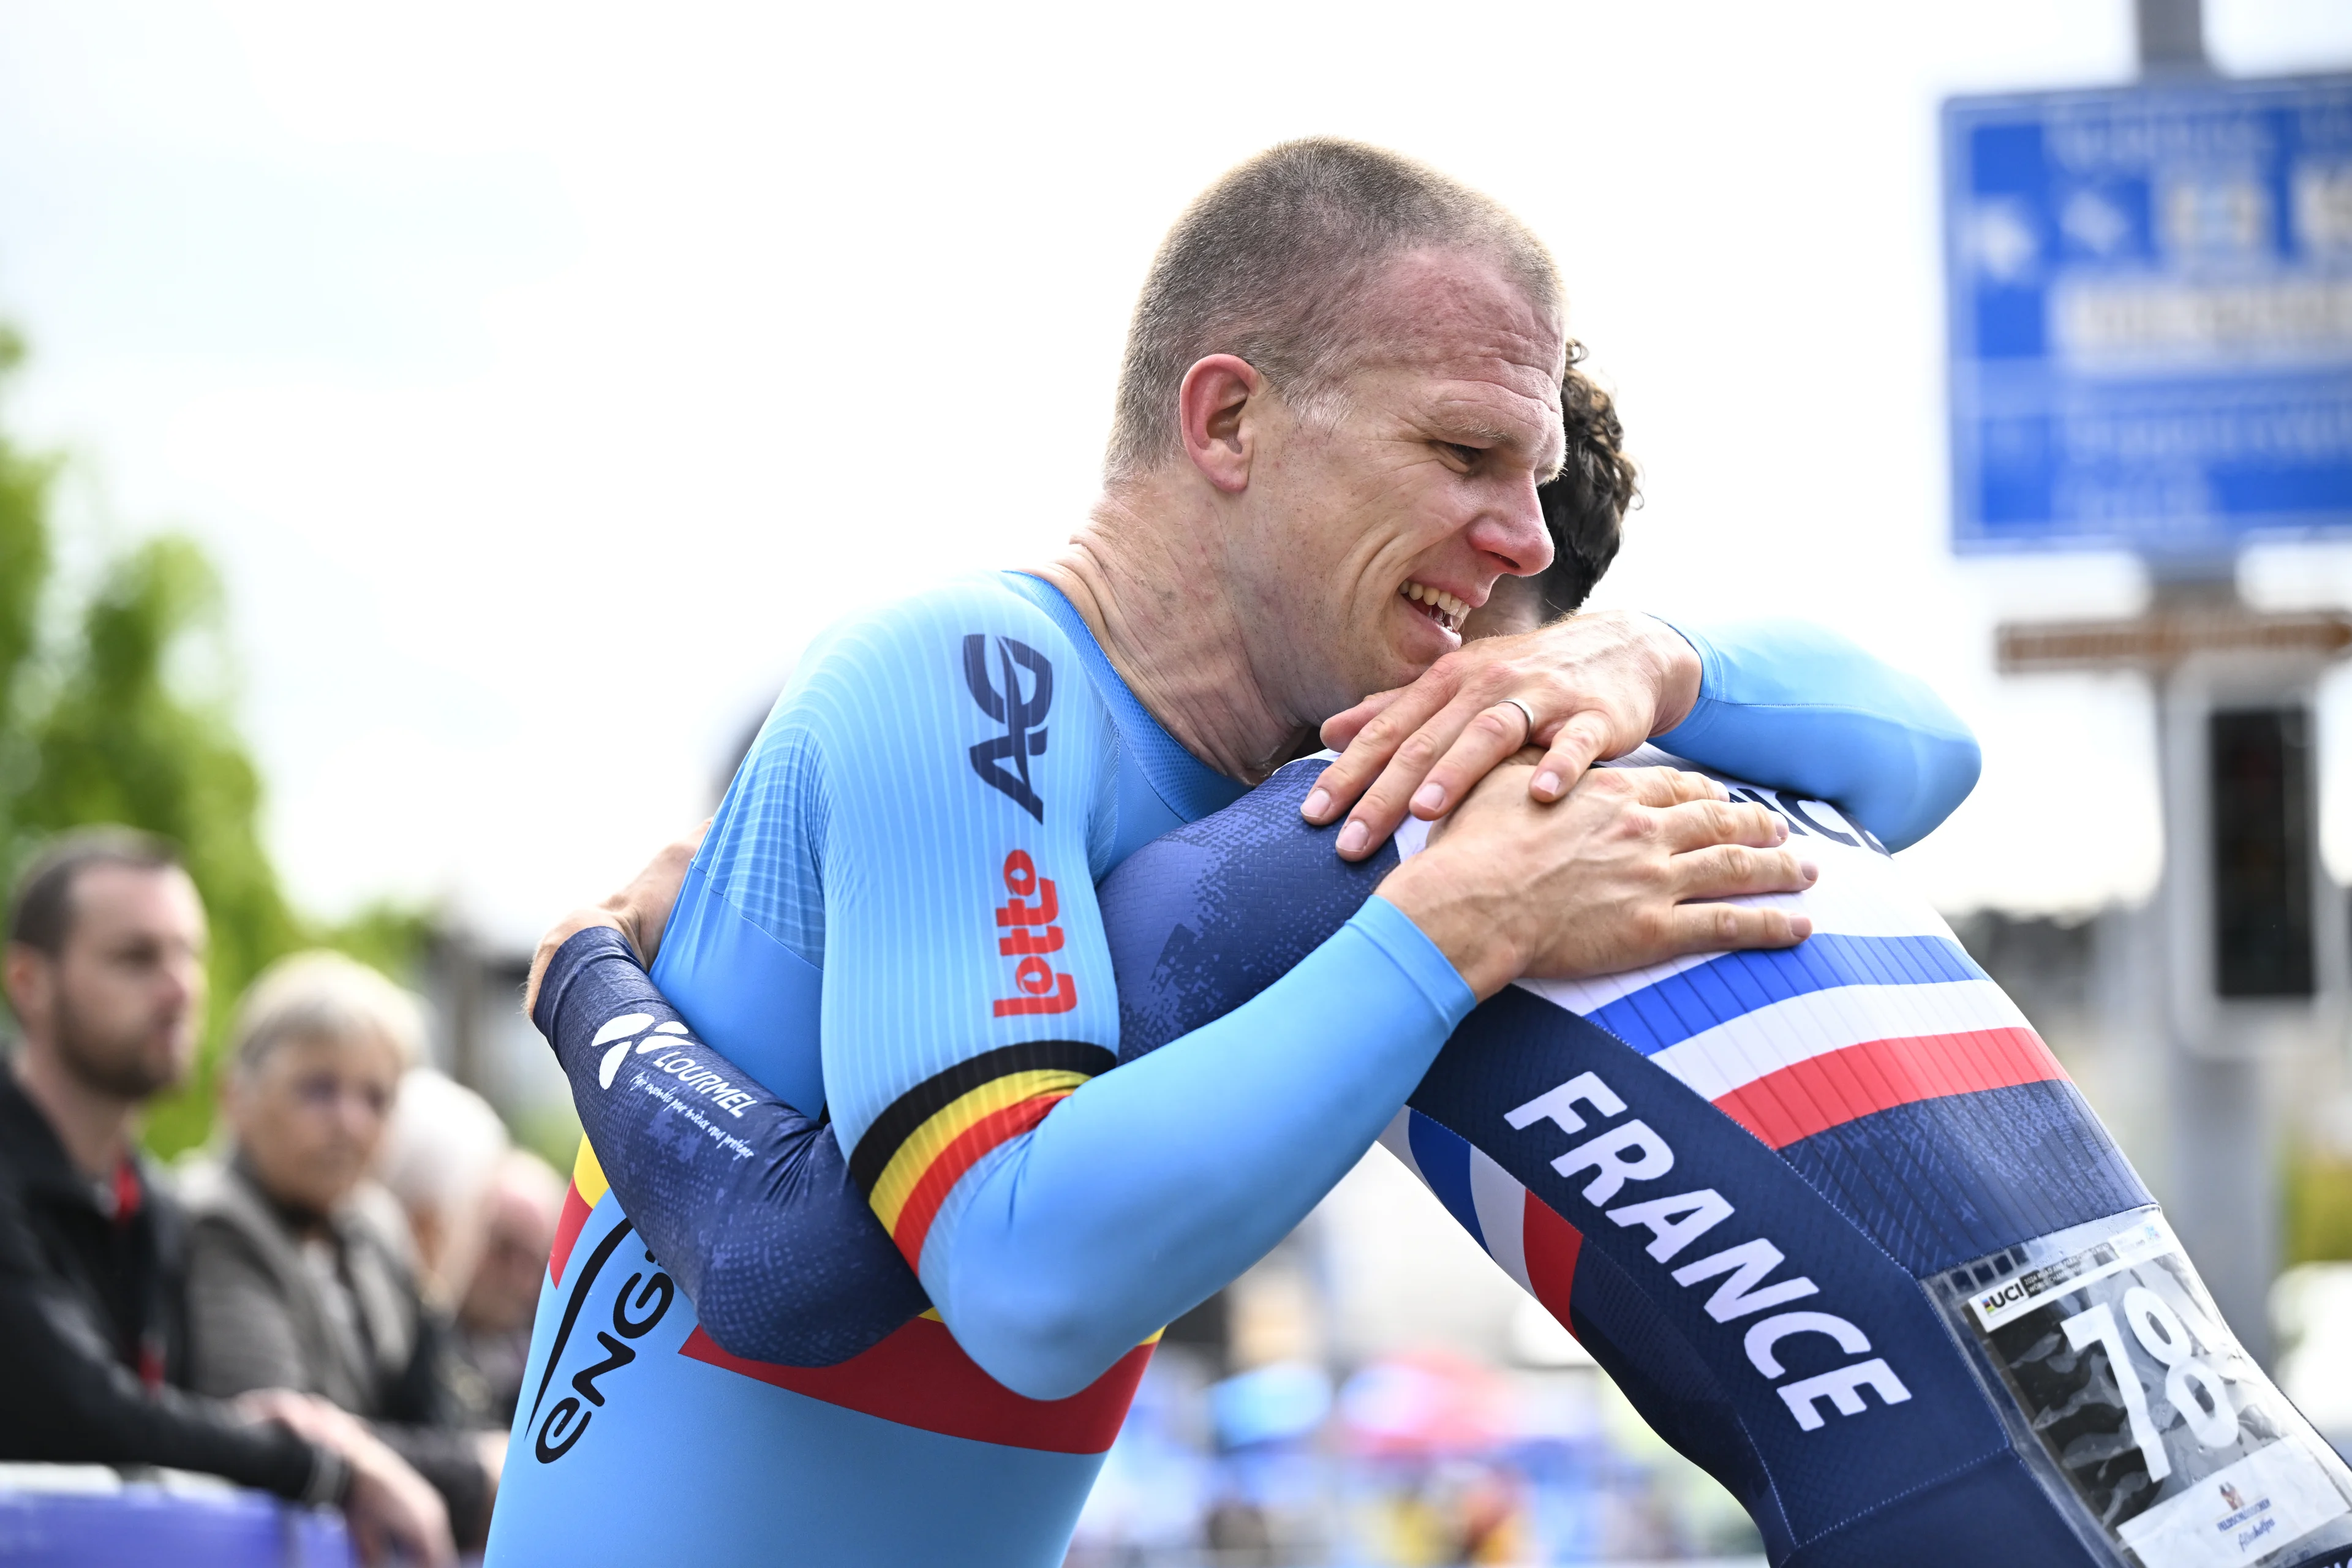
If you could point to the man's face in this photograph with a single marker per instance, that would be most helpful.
(121, 1004)
(1364, 537)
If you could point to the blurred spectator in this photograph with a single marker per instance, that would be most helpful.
(300, 1272)
(105, 973)
(441, 1157)
(493, 1332)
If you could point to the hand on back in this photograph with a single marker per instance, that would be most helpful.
(639, 911)
(1629, 869)
(1592, 687)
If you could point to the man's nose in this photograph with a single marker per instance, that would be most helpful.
(1512, 528)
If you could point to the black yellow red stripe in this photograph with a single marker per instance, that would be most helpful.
(588, 1185)
(918, 1149)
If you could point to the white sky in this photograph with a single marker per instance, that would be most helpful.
(544, 377)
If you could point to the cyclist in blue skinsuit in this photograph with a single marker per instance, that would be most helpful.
(893, 922)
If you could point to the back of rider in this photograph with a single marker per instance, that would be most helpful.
(1833, 1217)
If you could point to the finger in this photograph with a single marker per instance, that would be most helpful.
(539, 958)
(1383, 806)
(1726, 928)
(1340, 730)
(1379, 742)
(1575, 747)
(1660, 787)
(662, 875)
(1492, 736)
(560, 933)
(1694, 825)
(1728, 871)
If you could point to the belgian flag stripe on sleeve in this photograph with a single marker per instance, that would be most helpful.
(949, 1136)
(911, 1157)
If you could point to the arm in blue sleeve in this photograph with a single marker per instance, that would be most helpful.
(1788, 704)
(1154, 1185)
(760, 1224)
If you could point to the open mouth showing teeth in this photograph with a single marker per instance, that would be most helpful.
(1437, 603)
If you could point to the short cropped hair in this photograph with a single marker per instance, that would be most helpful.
(1584, 505)
(40, 911)
(322, 996)
(1269, 264)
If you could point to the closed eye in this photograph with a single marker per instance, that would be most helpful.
(1467, 457)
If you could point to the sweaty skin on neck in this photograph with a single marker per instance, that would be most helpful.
(1287, 562)
(1177, 650)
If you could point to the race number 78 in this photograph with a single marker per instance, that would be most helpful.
(2193, 1386)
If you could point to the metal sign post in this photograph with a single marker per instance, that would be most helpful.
(2151, 349)
(2248, 956)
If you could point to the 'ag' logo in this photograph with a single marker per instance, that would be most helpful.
(1023, 718)
(619, 1030)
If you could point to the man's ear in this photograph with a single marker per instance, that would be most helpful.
(1214, 410)
(24, 972)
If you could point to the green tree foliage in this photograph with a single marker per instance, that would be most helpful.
(24, 543)
(24, 479)
(2318, 1207)
(106, 724)
(25, 483)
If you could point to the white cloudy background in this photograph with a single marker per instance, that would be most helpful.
(545, 377)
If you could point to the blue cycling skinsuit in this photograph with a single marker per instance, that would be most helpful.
(893, 925)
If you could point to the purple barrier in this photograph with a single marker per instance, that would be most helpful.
(71, 1517)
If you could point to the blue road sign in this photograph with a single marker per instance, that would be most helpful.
(2151, 315)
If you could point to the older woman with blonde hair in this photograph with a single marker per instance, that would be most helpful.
(301, 1271)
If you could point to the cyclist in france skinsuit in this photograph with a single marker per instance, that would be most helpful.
(1868, 1255)
(1831, 1216)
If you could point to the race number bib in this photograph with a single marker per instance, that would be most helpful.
(2131, 1396)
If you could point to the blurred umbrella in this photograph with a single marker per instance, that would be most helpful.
(1426, 1402)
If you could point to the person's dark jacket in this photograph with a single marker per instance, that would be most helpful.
(93, 1328)
(260, 1315)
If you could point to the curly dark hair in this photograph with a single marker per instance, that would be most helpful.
(1585, 505)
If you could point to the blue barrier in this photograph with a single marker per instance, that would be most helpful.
(74, 1516)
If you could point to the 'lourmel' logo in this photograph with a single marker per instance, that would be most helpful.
(676, 1062)
(622, 1029)
(1023, 718)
